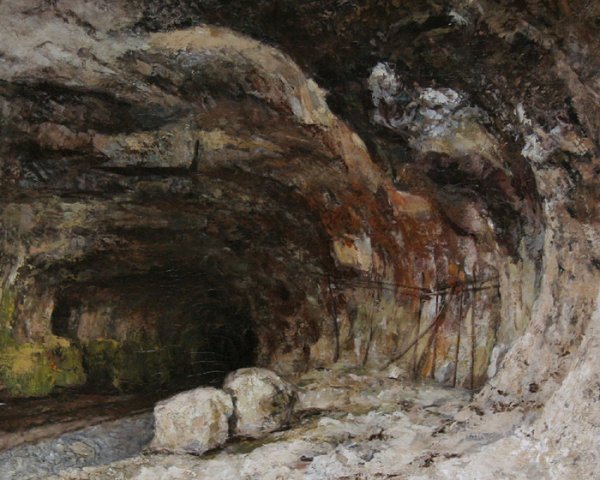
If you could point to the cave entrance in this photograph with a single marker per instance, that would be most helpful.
(133, 340)
(165, 330)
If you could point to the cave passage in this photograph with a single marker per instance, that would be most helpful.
(132, 340)
(166, 329)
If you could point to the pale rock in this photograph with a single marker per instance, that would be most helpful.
(263, 401)
(354, 251)
(383, 83)
(537, 148)
(193, 421)
(498, 353)
(442, 97)
(343, 462)
(458, 19)
(396, 372)
(326, 398)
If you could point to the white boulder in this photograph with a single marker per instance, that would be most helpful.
(263, 401)
(192, 422)
(396, 372)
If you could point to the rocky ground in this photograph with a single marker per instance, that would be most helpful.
(99, 444)
(346, 425)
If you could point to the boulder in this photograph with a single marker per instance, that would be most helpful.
(193, 421)
(263, 401)
(397, 372)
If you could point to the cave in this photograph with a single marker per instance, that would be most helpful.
(393, 206)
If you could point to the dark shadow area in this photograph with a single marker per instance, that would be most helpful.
(165, 330)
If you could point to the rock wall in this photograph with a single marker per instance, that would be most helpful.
(185, 202)
(412, 182)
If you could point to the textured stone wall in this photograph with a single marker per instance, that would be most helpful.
(170, 187)
(167, 189)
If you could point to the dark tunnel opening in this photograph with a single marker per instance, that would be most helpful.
(161, 331)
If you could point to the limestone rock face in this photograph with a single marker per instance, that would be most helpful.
(193, 421)
(263, 401)
(205, 164)
(179, 200)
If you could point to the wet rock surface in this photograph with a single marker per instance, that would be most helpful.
(97, 445)
(25, 421)
(263, 401)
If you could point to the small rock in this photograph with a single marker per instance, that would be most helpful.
(82, 449)
(263, 401)
(395, 372)
(193, 421)
(463, 415)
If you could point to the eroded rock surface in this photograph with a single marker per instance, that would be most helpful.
(373, 426)
(95, 445)
(263, 401)
(182, 203)
(349, 183)
(192, 422)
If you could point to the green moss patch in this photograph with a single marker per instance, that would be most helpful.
(35, 369)
(126, 366)
(8, 306)
(69, 363)
(26, 371)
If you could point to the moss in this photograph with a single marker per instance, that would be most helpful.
(8, 301)
(26, 371)
(69, 365)
(99, 361)
(35, 369)
(141, 364)
(8, 307)
(126, 365)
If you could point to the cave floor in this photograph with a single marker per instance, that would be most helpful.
(347, 426)
(33, 419)
(26, 420)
